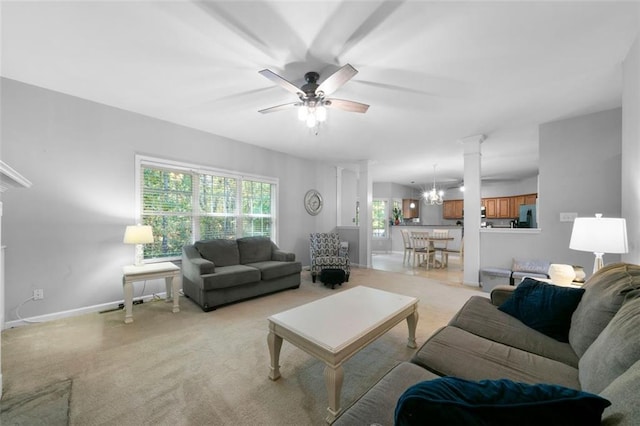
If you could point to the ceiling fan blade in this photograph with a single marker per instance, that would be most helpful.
(280, 81)
(337, 79)
(350, 106)
(280, 107)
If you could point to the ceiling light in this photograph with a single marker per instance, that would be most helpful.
(312, 113)
(433, 196)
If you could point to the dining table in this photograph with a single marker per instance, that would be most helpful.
(431, 240)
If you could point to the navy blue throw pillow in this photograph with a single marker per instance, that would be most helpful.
(453, 401)
(544, 307)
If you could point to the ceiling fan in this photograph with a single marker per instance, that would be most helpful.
(312, 96)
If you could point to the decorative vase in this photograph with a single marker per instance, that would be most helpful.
(580, 275)
(561, 274)
(397, 221)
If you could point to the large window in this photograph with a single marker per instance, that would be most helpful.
(184, 203)
(379, 217)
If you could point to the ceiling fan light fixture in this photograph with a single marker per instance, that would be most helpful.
(311, 121)
(303, 113)
(321, 113)
(312, 103)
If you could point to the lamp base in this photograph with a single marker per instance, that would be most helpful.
(598, 262)
(139, 255)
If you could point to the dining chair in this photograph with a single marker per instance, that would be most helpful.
(423, 253)
(408, 246)
(459, 252)
(441, 246)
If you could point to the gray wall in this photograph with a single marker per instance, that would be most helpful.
(579, 168)
(64, 235)
(631, 150)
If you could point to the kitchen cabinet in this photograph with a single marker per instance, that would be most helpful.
(530, 198)
(495, 208)
(503, 206)
(491, 207)
(409, 212)
(516, 202)
(520, 200)
(452, 209)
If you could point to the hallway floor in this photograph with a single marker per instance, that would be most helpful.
(392, 262)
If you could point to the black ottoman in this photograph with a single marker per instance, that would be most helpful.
(332, 276)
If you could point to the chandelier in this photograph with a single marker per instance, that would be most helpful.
(433, 196)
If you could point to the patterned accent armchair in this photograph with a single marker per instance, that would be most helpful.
(326, 253)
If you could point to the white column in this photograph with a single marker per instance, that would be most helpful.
(339, 196)
(472, 201)
(1, 296)
(365, 194)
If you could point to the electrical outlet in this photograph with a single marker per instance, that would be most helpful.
(38, 294)
(568, 216)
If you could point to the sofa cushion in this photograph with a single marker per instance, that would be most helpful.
(254, 249)
(544, 307)
(452, 351)
(615, 349)
(230, 276)
(273, 269)
(220, 252)
(377, 405)
(623, 393)
(455, 401)
(482, 318)
(605, 293)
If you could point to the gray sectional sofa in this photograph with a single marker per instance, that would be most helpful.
(602, 355)
(218, 272)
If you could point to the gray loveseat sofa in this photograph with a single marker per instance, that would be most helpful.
(218, 272)
(602, 355)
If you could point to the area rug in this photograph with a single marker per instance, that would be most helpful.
(48, 407)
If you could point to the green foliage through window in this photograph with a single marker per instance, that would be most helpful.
(379, 218)
(183, 206)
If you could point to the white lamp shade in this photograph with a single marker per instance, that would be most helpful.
(138, 234)
(599, 235)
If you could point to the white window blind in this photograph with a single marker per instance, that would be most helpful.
(184, 203)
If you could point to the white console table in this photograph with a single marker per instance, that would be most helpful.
(132, 273)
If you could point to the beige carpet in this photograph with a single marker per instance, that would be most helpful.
(197, 368)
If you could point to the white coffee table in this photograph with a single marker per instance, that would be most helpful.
(335, 328)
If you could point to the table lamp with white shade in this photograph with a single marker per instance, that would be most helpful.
(138, 235)
(599, 235)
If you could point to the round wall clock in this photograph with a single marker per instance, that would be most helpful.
(313, 202)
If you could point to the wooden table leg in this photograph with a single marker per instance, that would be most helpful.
(275, 344)
(412, 322)
(333, 377)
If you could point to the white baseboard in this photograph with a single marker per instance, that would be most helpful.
(75, 312)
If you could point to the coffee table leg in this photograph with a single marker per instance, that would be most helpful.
(333, 380)
(412, 322)
(275, 343)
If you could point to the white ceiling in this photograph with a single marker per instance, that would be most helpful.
(433, 72)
